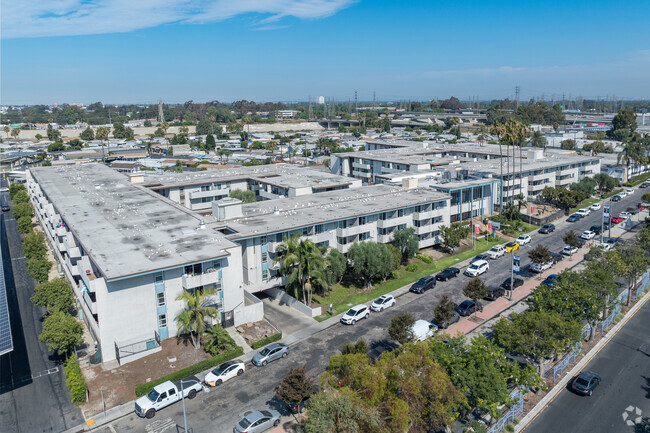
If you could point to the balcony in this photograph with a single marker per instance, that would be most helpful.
(191, 281)
(61, 231)
(423, 215)
(92, 306)
(349, 231)
(210, 193)
(86, 273)
(424, 229)
(361, 165)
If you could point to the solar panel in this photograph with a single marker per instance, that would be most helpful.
(6, 343)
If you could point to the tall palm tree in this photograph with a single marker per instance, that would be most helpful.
(15, 132)
(632, 153)
(537, 139)
(7, 130)
(514, 133)
(498, 129)
(102, 133)
(303, 264)
(197, 309)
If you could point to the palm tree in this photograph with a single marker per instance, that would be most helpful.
(633, 152)
(7, 130)
(303, 263)
(15, 132)
(514, 133)
(216, 339)
(197, 309)
(102, 133)
(537, 139)
(498, 129)
(521, 202)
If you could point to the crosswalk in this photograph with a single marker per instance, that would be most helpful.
(160, 426)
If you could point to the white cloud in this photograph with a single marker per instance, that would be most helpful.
(42, 18)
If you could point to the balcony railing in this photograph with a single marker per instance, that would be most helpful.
(191, 281)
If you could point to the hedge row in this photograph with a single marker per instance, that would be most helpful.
(75, 380)
(612, 193)
(264, 341)
(635, 180)
(143, 388)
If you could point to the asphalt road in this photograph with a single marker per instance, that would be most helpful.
(624, 365)
(220, 409)
(33, 394)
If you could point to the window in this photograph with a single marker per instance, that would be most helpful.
(342, 240)
(401, 226)
(265, 256)
(400, 212)
(265, 274)
(364, 236)
(205, 188)
(343, 224)
(196, 268)
(362, 220)
(160, 299)
(306, 231)
(162, 321)
(318, 228)
(158, 278)
(264, 240)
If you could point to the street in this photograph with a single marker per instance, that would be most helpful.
(624, 365)
(33, 393)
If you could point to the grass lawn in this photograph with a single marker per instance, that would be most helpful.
(342, 297)
(585, 203)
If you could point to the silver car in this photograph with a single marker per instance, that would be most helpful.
(270, 353)
(258, 421)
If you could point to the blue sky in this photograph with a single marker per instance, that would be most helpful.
(119, 51)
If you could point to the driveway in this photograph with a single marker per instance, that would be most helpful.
(286, 319)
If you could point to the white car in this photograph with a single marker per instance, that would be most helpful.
(496, 251)
(595, 206)
(523, 239)
(355, 314)
(477, 268)
(383, 302)
(421, 330)
(625, 215)
(629, 191)
(587, 235)
(568, 250)
(4, 189)
(225, 371)
(583, 212)
(540, 267)
(605, 246)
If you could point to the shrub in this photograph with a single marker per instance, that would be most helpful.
(14, 188)
(22, 210)
(412, 267)
(425, 259)
(38, 268)
(34, 245)
(21, 197)
(143, 388)
(24, 224)
(75, 380)
(510, 428)
(267, 340)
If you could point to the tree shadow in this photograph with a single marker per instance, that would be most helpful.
(379, 347)
(643, 426)
(646, 387)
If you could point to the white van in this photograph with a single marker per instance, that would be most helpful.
(422, 330)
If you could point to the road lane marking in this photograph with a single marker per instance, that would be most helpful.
(160, 426)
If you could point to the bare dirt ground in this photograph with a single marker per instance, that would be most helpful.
(252, 332)
(118, 383)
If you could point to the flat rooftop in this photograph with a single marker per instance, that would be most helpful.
(124, 228)
(281, 175)
(275, 216)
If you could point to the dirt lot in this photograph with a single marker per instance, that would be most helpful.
(119, 382)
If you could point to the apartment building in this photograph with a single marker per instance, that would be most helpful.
(129, 254)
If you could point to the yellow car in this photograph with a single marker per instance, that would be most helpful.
(512, 246)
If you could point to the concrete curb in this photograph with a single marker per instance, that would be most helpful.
(560, 386)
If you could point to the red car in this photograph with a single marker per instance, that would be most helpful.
(616, 219)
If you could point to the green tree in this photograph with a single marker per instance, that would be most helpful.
(24, 225)
(87, 134)
(444, 310)
(61, 332)
(217, 340)
(210, 143)
(15, 132)
(295, 386)
(245, 195)
(204, 127)
(7, 130)
(199, 306)
(336, 264)
(302, 263)
(407, 242)
(624, 120)
(361, 346)
(340, 411)
(605, 183)
(568, 144)
(57, 146)
(400, 327)
(14, 188)
(55, 295)
(476, 289)
(147, 123)
(452, 235)
(635, 263)
(121, 131)
(385, 125)
(540, 254)
(537, 139)
(370, 261)
(21, 197)
(633, 152)
(39, 268)
(53, 134)
(21, 210)
(34, 245)
(570, 238)
(645, 198)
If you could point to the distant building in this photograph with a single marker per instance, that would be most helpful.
(321, 100)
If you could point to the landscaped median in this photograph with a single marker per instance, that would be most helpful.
(342, 296)
(143, 388)
(264, 341)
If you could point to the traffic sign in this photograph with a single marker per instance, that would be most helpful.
(489, 226)
(477, 230)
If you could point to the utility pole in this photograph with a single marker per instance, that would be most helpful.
(161, 115)
(517, 91)
(374, 100)
(310, 109)
(356, 105)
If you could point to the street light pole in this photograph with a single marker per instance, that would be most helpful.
(184, 414)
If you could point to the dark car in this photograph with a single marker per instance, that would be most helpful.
(550, 280)
(596, 228)
(616, 198)
(557, 257)
(547, 228)
(585, 383)
(5, 208)
(447, 274)
(494, 293)
(444, 324)
(423, 284)
(506, 284)
(632, 210)
(573, 218)
(468, 307)
(480, 257)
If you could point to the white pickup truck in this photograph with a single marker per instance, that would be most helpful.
(496, 251)
(165, 394)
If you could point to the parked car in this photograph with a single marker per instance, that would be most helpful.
(596, 228)
(616, 219)
(573, 218)
(468, 307)
(165, 394)
(448, 273)
(270, 353)
(224, 372)
(512, 246)
(523, 239)
(446, 323)
(494, 293)
(496, 251)
(423, 284)
(557, 257)
(606, 224)
(477, 268)
(383, 302)
(300, 406)
(583, 212)
(585, 382)
(617, 197)
(355, 314)
(587, 235)
(480, 257)
(422, 330)
(550, 280)
(629, 191)
(507, 284)
(625, 215)
(632, 210)
(595, 206)
(605, 246)
(540, 267)
(568, 250)
(258, 421)
(644, 184)
(547, 228)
